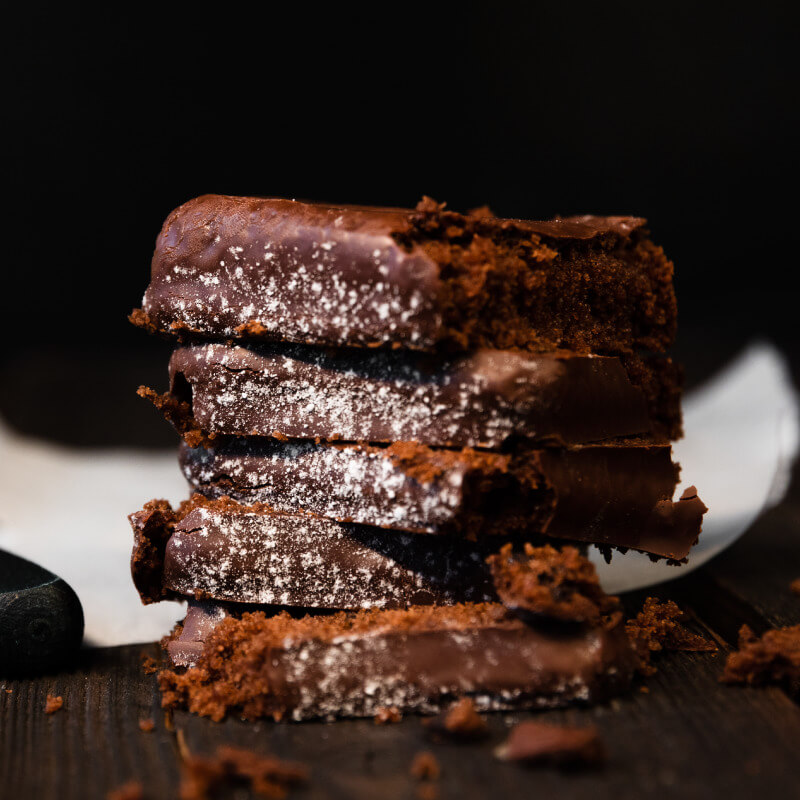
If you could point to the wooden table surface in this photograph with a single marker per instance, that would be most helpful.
(689, 736)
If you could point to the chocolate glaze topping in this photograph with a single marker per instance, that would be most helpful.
(279, 269)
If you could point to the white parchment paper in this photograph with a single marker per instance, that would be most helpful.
(66, 509)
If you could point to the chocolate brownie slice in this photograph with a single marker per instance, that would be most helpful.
(483, 399)
(245, 267)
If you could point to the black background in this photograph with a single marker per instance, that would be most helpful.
(683, 113)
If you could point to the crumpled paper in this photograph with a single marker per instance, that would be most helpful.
(66, 509)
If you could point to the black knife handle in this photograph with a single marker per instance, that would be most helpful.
(41, 619)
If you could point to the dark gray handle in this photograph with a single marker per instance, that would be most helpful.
(41, 619)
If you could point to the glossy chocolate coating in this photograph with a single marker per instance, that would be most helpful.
(245, 267)
(479, 400)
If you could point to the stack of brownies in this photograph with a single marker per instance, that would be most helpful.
(411, 418)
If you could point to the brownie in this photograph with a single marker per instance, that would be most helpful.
(483, 399)
(405, 486)
(420, 659)
(256, 268)
(617, 496)
(250, 555)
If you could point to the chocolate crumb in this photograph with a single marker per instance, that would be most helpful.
(427, 791)
(540, 743)
(149, 665)
(794, 587)
(267, 776)
(54, 703)
(772, 658)
(147, 725)
(551, 583)
(387, 716)
(132, 790)
(425, 767)
(461, 721)
(656, 627)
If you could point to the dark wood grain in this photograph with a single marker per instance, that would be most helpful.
(94, 742)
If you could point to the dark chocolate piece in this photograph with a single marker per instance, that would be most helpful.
(616, 496)
(283, 270)
(565, 746)
(478, 400)
(419, 659)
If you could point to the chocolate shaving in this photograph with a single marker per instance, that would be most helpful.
(539, 743)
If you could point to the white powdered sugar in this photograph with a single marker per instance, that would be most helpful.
(361, 484)
(476, 400)
(312, 562)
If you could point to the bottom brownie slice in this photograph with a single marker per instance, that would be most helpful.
(419, 659)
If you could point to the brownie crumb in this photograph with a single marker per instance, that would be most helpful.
(179, 413)
(551, 583)
(562, 746)
(425, 767)
(266, 776)
(53, 703)
(387, 716)
(462, 721)
(149, 665)
(427, 791)
(657, 627)
(795, 586)
(132, 790)
(147, 725)
(771, 658)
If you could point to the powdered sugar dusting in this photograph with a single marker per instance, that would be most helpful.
(357, 483)
(298, 283)
(312, 562)
(475, 400)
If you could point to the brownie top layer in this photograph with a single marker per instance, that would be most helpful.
(244, 267)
